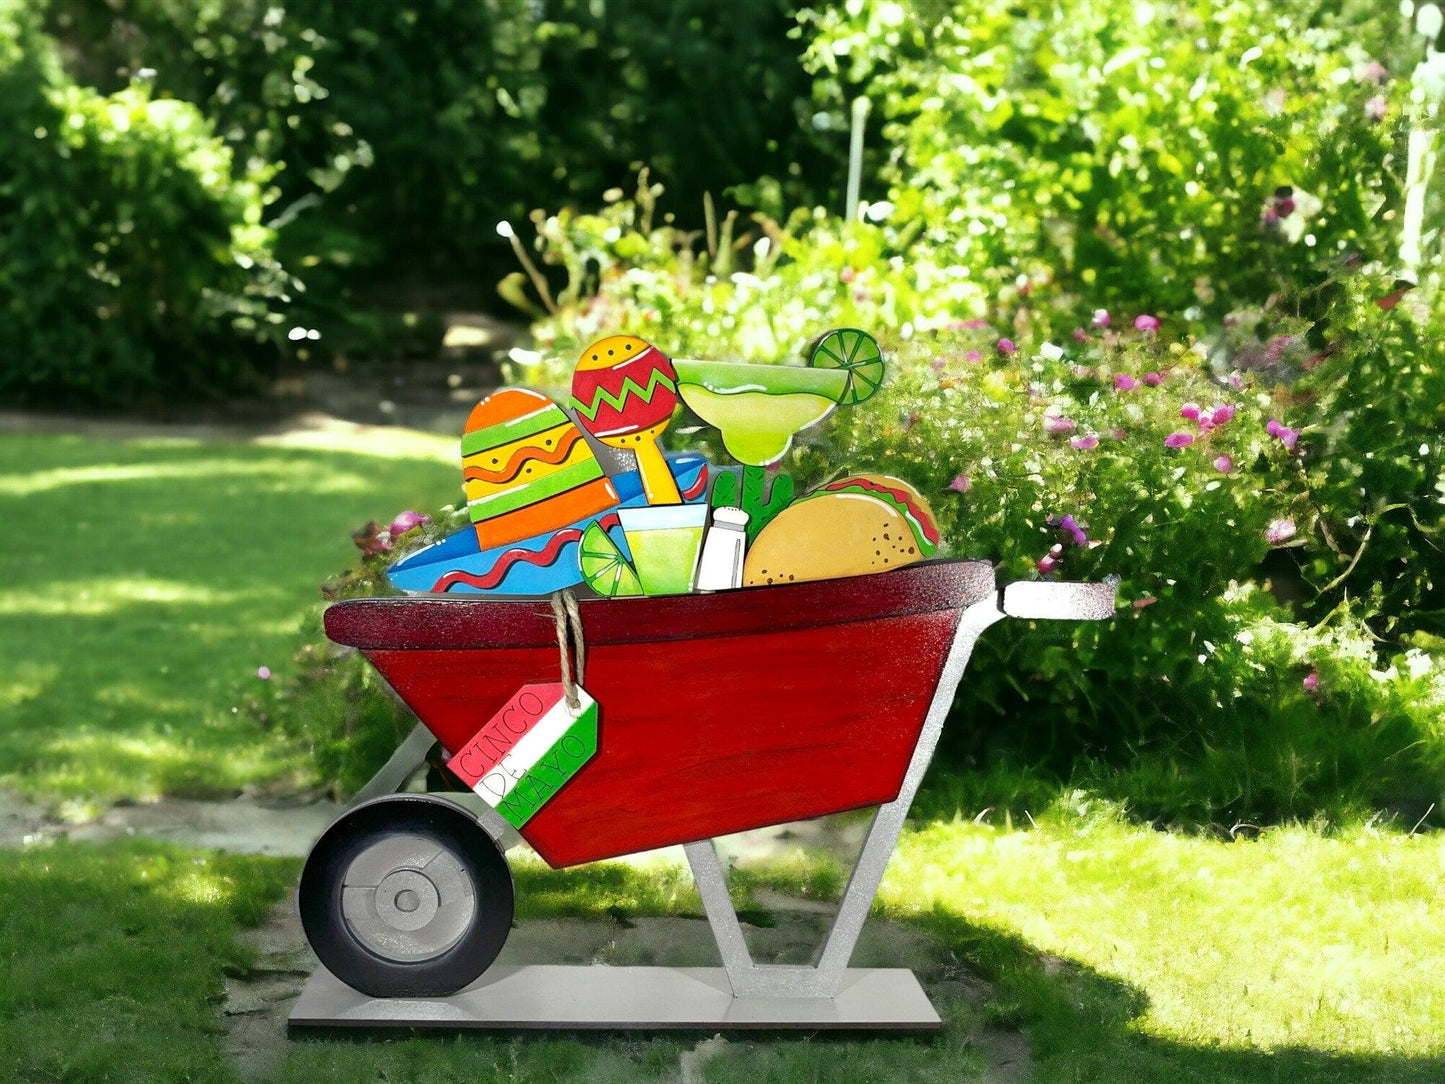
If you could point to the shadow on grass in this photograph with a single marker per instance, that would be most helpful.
(1083, 1025)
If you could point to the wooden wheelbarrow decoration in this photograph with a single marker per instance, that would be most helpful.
(842, 692)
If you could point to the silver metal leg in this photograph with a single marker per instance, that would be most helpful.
(742, 993)
(409, 758)
(824, 980)
(396, 773)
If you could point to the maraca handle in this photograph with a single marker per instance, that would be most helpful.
(658, 485)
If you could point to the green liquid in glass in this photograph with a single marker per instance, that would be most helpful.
(664, 540)
(664, 558)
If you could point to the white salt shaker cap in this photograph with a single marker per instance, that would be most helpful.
(734, 516)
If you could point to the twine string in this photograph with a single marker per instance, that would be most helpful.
(570, 644)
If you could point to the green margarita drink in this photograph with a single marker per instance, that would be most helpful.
(665, 540)
(758, 408)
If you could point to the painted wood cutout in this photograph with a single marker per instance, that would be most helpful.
(527, 470)
(855, 353)
(624, 391)
(851, 527)
(665, 542)
(758, 409)
(677, 760)
(528, 750)
(539, 565)
(604, 568)
(759, 492)
(720, 568)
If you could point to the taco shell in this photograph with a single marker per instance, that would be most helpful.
(851, 527)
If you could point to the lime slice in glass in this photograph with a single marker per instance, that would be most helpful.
(603, 566)
(856, 353)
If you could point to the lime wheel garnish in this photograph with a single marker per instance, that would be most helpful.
(855, 351)
(603, 566)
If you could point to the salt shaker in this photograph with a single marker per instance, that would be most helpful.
(721, 566)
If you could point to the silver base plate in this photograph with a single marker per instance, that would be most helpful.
(606, 998)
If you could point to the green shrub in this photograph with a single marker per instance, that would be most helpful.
(1130, 150)
(135, 258)
(1372, 481)
(1200, 678)
(407, 130)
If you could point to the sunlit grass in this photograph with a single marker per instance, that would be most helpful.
(1134, 954)
(161, 575)
(132, 634)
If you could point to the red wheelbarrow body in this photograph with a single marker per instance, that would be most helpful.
(719, 713)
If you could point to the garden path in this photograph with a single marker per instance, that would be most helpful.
(258, 1000)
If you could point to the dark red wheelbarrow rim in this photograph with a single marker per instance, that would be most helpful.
(446, 622)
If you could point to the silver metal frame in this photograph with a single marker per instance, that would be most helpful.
(824, 978)
(761, 993)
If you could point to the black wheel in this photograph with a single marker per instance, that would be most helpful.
(406, 896)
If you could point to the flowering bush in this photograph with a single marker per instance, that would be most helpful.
(1192, 463)
(1190, 154)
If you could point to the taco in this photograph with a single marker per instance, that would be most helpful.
(853, 526)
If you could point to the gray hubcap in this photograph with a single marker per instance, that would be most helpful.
(407, 899)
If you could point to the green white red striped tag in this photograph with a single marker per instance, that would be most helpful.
(528, 750)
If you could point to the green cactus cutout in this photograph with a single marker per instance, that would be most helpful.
(760, 500)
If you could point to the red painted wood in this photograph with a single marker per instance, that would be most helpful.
(719, 713)
(460, 621)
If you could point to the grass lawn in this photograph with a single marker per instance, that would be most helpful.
(175, 569)
(169, 571)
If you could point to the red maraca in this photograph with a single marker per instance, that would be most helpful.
(624, 391)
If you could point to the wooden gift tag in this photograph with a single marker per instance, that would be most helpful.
(528, 750)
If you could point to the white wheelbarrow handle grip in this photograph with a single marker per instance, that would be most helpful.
(1054, 601)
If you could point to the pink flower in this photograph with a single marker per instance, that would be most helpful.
(1050, 560)
(1006, 346)
(1057, 424)
(1101, 317)
(407, 521)
(1080, 335)
(1224, 464)
(1311, 682)
(1084, 444)
(847, 274)
(938, 365)
(264, 673)
(1118, 433)
(1190, 411)
(1287, 436)
(1275, 348)
(974, 355)
(1376, 108)
(961, 483)
(1215, 416)
(1146, 323)
(978, 323)
(1179, 440)
(1070, 527)
(1279, 531)
(1124, 382)
(1373, 72)
(1153, 379)
(1147, 600)
(371, 539)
